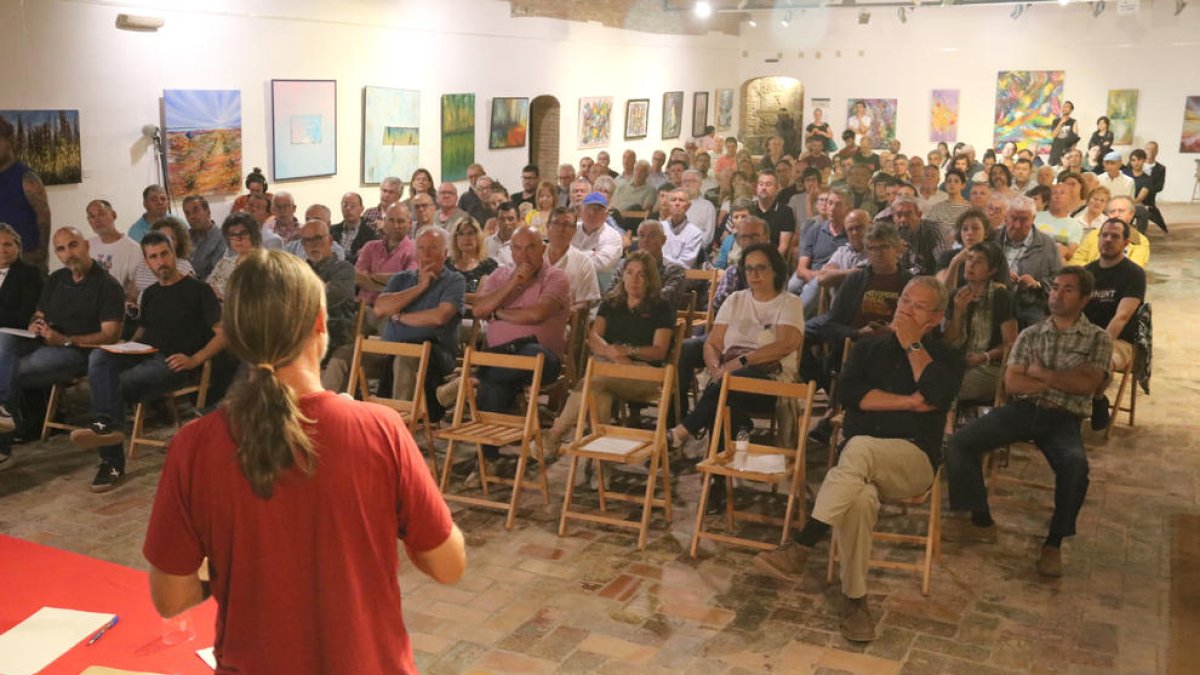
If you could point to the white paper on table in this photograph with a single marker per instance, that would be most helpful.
(763, 464)
(612, 446)
(104, 670)
(47, 634)
(207, 656)
(128, 348)
(19, 332)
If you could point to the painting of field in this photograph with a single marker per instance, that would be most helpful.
(48, 142)
(458, 135)
(391, 133)
(204, 141)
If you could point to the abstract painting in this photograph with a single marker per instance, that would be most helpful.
(1122, 114)
(699, 113)
(595, 121)
(943, 116)
(510, 123)
(458, 135)
(303, 128)
(879, 116)
(637, 118)
(724, 121)
(1027, 101)
(1189, 141)
(47, 141)
(672, 120)
(204, 141)
(391, 133)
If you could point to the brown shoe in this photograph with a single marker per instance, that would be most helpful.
(857, 624)
(99, 434)
(1049, 564)
(786, 562)
(964, 531)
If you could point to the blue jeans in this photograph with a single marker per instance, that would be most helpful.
(1054, 432)
(117, 378)
(28, 363)
(704, 415)
(498, 387)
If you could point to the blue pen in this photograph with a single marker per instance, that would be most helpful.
(100, 633)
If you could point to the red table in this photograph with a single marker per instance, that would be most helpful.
(33, 576)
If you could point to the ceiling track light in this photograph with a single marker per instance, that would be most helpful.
(1098, 8)
(902, 14)
(1179, 5)
(787, 19)
(1017, 11)
(703, 9)
(864, 17)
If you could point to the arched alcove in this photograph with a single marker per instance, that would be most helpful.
(763, 99)
(544, 113)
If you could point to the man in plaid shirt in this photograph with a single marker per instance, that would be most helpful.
(1054, 368)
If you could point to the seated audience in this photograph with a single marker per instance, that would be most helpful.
(243, 236)
(256, 183)
(467, 254)
(154, 200)
(393, 252)
(116, 253)
(1057, 222)
(773, 210)
(207, 243)
(1033, 261)
(143, 276)
(448, 215)
(390, 189)
(818, 246)
(499, 243)
(739, 213)
(972, 228)
(980, 321)
(850, 256)
(701, 212)
(947, 211)
(545, 199)
(581, 274)
(353, 233)
(924, 240)
(1138, 249)
(672, 278)
(685, 241)
(637, 194)
(599, 242)
(338, 277)
(1117, 183)
(1093, 214)
(180, 319)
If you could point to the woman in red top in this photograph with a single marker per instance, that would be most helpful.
(296, 497)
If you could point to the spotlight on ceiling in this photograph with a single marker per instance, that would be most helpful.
(752, 23)
(1098, 8)
(787, 19)
(1063, 2)
(902, 14)
(703, 9)
(1179, 5)
(1017, 11)
(864, 17)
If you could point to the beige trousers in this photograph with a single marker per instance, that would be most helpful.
(868, 469)
(606, 391)
(979, 383)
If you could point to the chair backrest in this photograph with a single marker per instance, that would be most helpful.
(800, 394)
(712, 277)
(690, 312)
(358, 376)
(589, 416)
(474, 358)
(573, 360)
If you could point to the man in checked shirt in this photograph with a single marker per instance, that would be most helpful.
(1054, 367)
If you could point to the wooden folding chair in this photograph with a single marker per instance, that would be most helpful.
(793, 473)
(712, 278)
(413, 410)
(52, 405)
(480, 428)
(1128, 381)
(199, 388)
(931, 540)
(556, 392)
(619, 444)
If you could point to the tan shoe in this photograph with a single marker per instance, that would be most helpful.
(551, 444)
(786, 562)
(1049, 564)
(964, 531)
(447, 394)
(857, 624)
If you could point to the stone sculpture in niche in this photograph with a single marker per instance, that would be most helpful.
(763, 99)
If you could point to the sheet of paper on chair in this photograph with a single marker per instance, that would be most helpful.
(19, 332)
(612, 446)
(47, 634)
(763, 464)
(129, 348)
(207, 656)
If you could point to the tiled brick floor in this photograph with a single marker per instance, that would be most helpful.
(589, 602)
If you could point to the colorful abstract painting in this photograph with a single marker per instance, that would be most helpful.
(595, 121)
(943, 116)
(391, 133)
(47, 141)
(1189, 141)
(699, 113)
(1122, 114)
(672, 120)
(637, 118)
(303, 128)
(724, 121)
(510, 123)
(204, 141)
(458, 135)
(879, 117)
(1027, 101)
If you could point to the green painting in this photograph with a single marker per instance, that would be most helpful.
(458, 135)
(1122, 114)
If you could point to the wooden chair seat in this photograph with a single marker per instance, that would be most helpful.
(52, 405)
(199, 388)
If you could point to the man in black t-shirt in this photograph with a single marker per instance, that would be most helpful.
(767, 206)
(1120, 289)
(81, 304)
(180, 329)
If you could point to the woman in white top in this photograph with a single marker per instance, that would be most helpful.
(946, 212)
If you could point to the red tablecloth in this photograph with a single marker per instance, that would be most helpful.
(33, 576)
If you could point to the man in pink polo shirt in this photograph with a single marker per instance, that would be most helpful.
(393, 252)
(527, 307)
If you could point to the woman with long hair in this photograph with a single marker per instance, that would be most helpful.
(947, 211)
(545, 198)
(971, 228)
(981, 321)
(422, 182)
(261, 487)
(468, 254)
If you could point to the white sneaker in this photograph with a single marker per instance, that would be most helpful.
(6, 420)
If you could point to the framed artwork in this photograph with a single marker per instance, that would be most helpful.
(724, 121)
(874, 118)
(595, 121)
(699, 113)
(1122, 114)
(47, 141)
(763, 103)
(1027, 101)
(203, 140)
(391, 133)
(458, 135)
(303, 128)
(510, 123)
(1189, 140)
(672, 121)
(637, 118)
(943, 116)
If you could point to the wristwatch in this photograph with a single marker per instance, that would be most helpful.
(634, 351)
(743, 360)
(916, 347)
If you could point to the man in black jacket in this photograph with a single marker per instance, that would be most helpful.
(353, 232)
(1158, 180)
(896, 388)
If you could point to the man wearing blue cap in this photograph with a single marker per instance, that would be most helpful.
(602, 244)
(1118, 184)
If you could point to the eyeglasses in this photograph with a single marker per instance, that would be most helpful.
(422, 206)
(239, 234)
(316, 239)
(757, 269)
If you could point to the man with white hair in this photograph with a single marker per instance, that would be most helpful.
(448, 215)
(283, 221)
(684, 240)
(580, 187)
(657, 160)
(1033, 260)
(635, 194)
(628, 162)
(566, 175)
(390, 189)
(701, 212)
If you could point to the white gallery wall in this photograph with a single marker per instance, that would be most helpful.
(69, 54)
(964, 47)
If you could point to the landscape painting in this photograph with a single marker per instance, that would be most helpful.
(458, 135)
(1189, 141)
(47, 141)
(595, 121)
(637, 118)
(724, 121)
(1027, 101)
(204, 140)
(1122, 114)
(672, 120)
(510, 123)
(303, 128)
(391, 133)
(943, 116)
